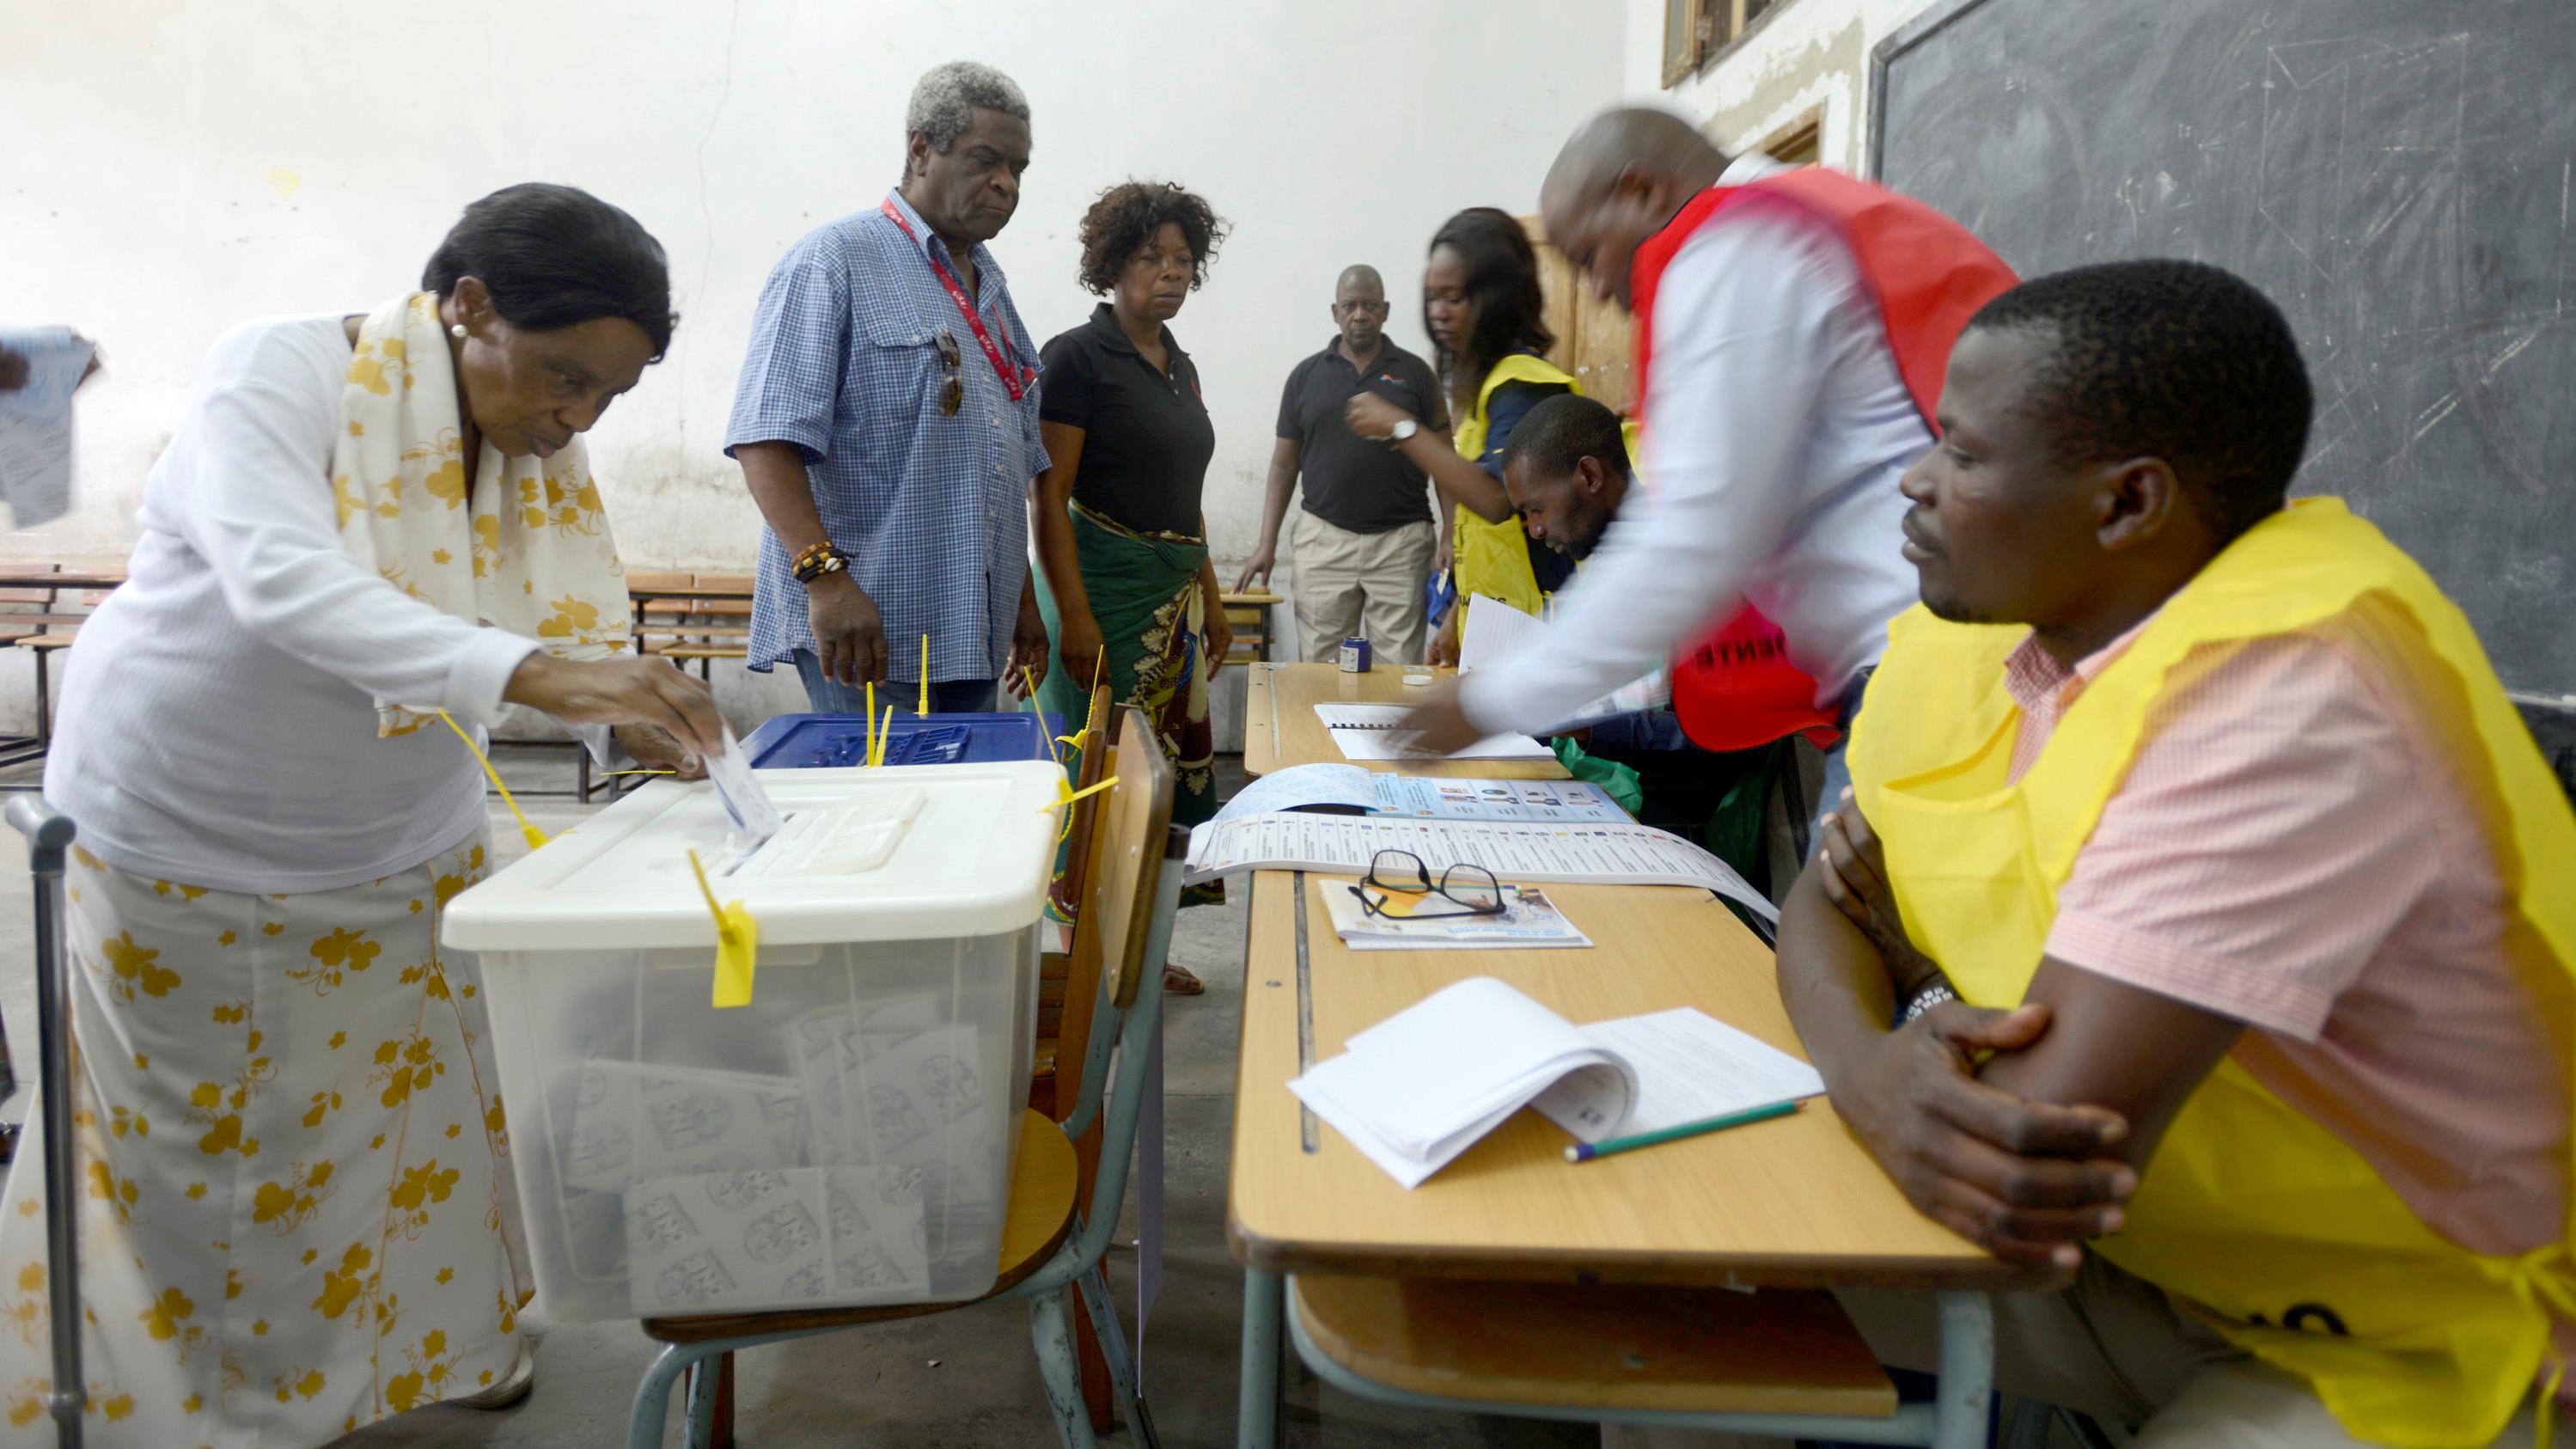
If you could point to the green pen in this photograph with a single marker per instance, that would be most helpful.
(1586, 1151)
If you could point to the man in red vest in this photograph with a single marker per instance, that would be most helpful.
(1794, 325)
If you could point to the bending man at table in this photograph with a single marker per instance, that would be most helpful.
(2213, 816)
(1792, 325)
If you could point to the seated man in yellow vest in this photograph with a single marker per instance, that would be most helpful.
(2257, 901)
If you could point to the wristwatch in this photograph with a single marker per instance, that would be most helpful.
(1403, 430)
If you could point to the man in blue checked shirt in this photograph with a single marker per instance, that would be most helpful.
(887, 425)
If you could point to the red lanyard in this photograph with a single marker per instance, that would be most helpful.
(1015, 381)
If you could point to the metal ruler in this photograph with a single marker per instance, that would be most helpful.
(1310, 1133)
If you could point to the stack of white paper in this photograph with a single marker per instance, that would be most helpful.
(1376, 732)
(1514, 850)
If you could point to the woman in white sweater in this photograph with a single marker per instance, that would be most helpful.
(368, 529)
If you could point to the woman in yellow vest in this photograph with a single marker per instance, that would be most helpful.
(2289, 1221)
(1481, 306)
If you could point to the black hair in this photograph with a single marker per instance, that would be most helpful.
(2174, 360)
(555, 257)
(1132, 213)
(1564, 430)
(1502, 287)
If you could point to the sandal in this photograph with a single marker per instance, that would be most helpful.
(1177, 981)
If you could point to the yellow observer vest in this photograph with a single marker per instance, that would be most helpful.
(2286, 1239)
(1493, 558)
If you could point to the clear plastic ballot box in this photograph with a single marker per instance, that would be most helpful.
(844, 1138)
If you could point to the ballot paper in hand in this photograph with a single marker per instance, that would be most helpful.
(1421, 1087)
(746, 804)
(36, 424)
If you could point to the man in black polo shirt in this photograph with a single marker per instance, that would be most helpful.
(1364, 541)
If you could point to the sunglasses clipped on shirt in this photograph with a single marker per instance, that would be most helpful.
(952, 393)
(1470, 890)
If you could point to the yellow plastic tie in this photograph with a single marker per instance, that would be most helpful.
(870, 755)
(2544, 1423)
(1065, 794)
(737, 942)
(1031, 681)
(924, 706)
(885, 737)
(536, 837)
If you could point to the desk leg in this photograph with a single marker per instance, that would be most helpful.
(1967, 1371)
(1257, 1413)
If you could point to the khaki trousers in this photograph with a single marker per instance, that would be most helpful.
(2109, 1345)
(1369, 584)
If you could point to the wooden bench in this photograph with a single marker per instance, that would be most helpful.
(41, 611)
(713, 622)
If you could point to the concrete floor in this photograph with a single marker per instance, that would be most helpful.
(958, 1379)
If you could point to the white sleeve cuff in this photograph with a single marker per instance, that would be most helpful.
(1479, 698)
(482, 671)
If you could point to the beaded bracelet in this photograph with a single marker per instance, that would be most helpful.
(817, 561)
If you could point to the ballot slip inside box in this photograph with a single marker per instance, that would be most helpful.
(842, 1139)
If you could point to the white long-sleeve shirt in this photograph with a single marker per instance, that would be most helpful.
(1777, 427)
(218, 718)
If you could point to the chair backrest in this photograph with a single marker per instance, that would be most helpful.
(1134, 891)
(1118, 891)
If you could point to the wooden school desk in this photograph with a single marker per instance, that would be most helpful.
(1788, 1203)
(1280, 728)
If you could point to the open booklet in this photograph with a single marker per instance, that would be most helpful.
(1495, 629)
(1349, 790)
(1422, 1086)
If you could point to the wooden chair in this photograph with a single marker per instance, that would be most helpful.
(1781, 1362)
(1054, 1234)
(1059, 978)
(1072, 975)
(1250, 616)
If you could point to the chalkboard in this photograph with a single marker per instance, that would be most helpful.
(2396, 174)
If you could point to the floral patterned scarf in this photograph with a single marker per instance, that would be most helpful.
(526, 549)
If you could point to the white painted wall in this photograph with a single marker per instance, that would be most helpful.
(1806, 53)
(173, 167)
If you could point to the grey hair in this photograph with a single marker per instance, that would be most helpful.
(945, 99)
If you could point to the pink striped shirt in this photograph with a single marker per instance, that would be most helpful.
(2290, 849)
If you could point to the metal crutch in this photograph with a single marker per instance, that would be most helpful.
(49, 839)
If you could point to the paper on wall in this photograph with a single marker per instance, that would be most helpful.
(36, 424)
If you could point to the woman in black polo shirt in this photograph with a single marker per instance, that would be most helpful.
(1121, 543)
